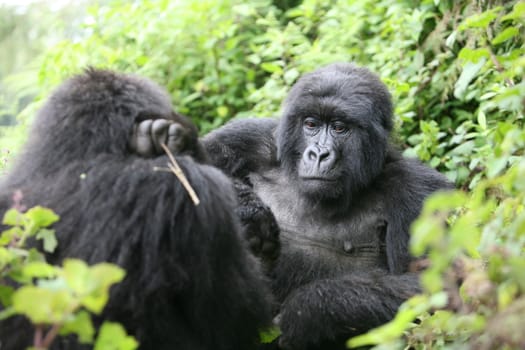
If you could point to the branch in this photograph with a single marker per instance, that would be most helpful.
(175, 168)
(51, 335)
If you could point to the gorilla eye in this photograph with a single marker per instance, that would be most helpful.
(340, 128)
(310, 124)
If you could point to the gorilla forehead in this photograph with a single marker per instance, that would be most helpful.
(341, 90)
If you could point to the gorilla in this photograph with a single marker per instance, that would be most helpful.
(343, 198)
(191, 280)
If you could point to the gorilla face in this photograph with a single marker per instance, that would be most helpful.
(320, 169)
(334, 131)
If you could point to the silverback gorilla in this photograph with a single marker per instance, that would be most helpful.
(191, 282)
(343, 197)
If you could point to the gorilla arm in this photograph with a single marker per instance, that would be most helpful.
(237, 148)
(326, 312)
(243, 146)
(405, 184)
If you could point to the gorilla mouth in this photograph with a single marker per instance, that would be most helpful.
(318, 178)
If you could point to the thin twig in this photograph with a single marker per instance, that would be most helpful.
(38, 336)
(493, 57)
(175, 168)
(51, 335)
(498, 66)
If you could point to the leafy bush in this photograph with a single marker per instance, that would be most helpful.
(57, 300)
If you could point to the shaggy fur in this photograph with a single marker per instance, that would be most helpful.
(343, 198)
(191, 282)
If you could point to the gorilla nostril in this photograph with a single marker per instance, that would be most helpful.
(324, 154)
(312, 155)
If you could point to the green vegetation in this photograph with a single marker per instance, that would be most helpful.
(57, 300)
(455, 69)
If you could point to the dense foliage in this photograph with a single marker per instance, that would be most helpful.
(56, 300)
(455, 69)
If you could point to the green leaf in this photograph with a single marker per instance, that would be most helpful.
(482, 120)
(6, 256)
(291, 75)
(480, 20)
(49, 238)
(425, 234)
(53, 284)
(91, 284)
(269, 335)
(222, 111)
(13, 217)
(464, 149)
(406, 315)
(43, 306)
(271, 67)
(103, 276)
(431, 281)
(39, 270)
(473, 55)
(451, 39)
(8, 312)
(469, 72)
(438, 300)
(76, 275)
(517, 12)
(444, 201)
(112, 336)
(505, 35)
(495, 166)
(10, 235)
(34, 255)
(6, 295)
(81, 325)
(42, 217)
(507, 292)
(107, 274)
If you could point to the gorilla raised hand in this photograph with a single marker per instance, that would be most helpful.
(190, 283)
(343, 198)
(258, 221)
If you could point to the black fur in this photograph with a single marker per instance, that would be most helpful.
(343, 197)
(191, 282)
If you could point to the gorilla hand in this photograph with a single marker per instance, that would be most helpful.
(149, 134)
(259, 223)
(308, 321)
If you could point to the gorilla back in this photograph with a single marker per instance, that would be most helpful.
(191, 282)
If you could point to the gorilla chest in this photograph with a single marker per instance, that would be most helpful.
(315, 238)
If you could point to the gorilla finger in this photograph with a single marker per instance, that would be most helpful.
(133, 139)
(159, 134)
(143, 142)
(176, 140)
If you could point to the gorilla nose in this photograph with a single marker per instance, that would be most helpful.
(316, 153)
(318, 156)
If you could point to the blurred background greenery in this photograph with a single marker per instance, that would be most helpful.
(455, 70)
